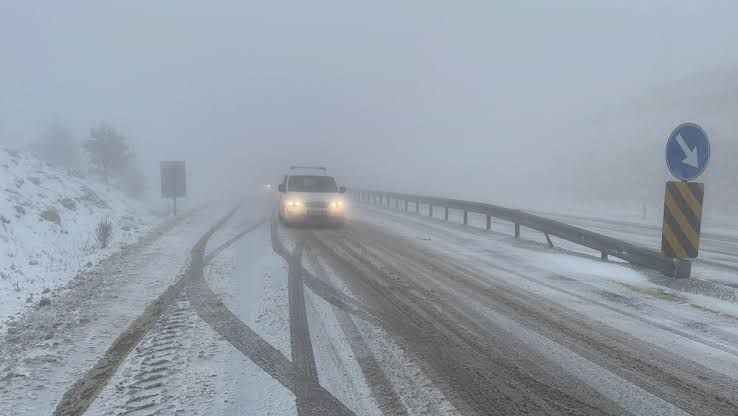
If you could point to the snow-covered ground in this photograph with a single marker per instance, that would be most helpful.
(47, 349)
(183, 365)
(48, 220)
(718, 257)
(200, 373)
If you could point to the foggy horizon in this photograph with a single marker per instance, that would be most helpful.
(487, 99)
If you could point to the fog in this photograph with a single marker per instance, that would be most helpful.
(541, 105)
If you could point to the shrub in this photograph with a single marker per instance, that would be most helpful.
(91, 197)
(69, 204)
(51, 215)
(104, 232)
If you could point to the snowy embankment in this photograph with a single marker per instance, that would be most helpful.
(48, 222)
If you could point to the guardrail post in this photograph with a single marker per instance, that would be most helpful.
(548, 239)
(489, 222)
(430, 210)
(406, 205)
(466, 217)
(417, 206)
(517, 230)
(445, 214)
(603, 256)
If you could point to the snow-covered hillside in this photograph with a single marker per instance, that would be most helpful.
(48, 220)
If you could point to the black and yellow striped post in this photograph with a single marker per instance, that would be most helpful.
(682, 222)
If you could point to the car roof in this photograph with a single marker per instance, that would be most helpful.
(308, 170)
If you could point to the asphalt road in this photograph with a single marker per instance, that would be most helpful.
(395, 314)
(494, 348)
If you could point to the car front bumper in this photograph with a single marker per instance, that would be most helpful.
(314, 216)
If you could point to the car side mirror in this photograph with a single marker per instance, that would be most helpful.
(281, 187)
(342, 190)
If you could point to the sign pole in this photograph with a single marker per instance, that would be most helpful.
(174, 195)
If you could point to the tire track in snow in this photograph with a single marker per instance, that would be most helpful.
(683, 383)
(78, 398)
(382, 390)
(303, 354)
(209, 307)
(477, 376)
(446, 234)
(157, 357)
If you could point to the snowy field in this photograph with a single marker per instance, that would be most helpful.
(47, 228)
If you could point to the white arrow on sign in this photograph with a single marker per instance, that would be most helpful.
(692, 157)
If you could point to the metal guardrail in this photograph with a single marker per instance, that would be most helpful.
(607, 246)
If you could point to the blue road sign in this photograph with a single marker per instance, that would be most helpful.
(687, 151)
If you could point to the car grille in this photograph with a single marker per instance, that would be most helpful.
(316, 204)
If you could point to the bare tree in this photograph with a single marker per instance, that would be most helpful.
(109, 151)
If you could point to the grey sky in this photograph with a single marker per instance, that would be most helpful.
(388, 93)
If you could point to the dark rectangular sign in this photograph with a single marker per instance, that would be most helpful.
(173, 179)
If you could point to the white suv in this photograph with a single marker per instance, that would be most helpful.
(310, 195)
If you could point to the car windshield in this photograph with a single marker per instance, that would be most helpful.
(312, 184)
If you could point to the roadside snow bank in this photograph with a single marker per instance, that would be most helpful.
(595, 271)
(47, 228)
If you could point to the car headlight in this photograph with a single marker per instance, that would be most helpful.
(294, 203)
(336, 204)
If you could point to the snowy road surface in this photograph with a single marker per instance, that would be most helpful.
(396, 314)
